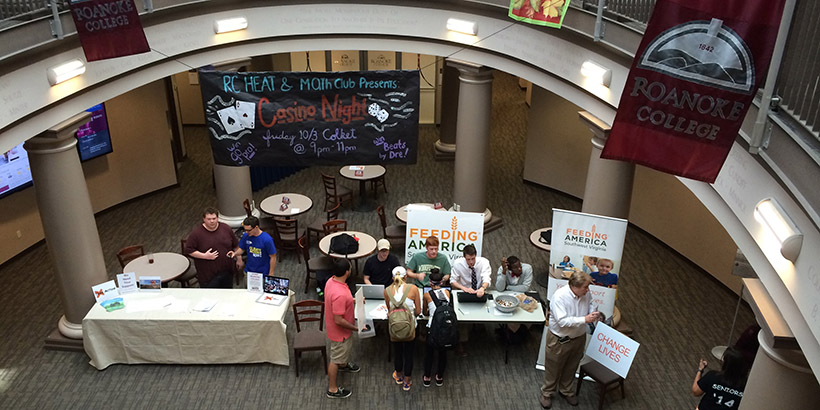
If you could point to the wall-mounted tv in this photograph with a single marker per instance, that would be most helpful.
(15, 172)
(93, 138)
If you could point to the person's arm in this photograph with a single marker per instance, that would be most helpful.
(210, 254)
(427, 299)
(501, 279)
(367, 280)
(526, 279)
(696, 390)
(414, 291)
(338, 310)
(341, 321)
(445, 270)
(484, 274)
(272, 264)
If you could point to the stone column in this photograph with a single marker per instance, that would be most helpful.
(446, 144)
(68, 221)
(779, 379)
(233, 185)
(608, 189)
(473, 137)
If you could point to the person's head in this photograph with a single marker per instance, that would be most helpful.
(566, 258)
(431, 244)
(384, 250)
(734, 369)
(210, 218)
(604, 265)
(399, 274)
(469, 253)
(341, 268)
(251, 226)
(579, 283)
(435, 278)
(514, 265)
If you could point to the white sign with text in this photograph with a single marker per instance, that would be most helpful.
(612, 349)
(454, 230)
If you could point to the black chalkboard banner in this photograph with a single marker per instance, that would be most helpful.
(302, 118)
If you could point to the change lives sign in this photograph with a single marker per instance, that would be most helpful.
(306, 118)
(108, 28)
(586, 240)
(695, 73)
(612, 349)
(454, 230)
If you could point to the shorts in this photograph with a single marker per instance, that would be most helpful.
(340, 352)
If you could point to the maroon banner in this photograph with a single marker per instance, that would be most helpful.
(693, 78)
(108, 28)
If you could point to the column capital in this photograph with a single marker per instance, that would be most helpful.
(599, 128)
(58, 138)
(471, 72)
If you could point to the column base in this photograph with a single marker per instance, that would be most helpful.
(444, 151)
(493, 223)
(56, 341)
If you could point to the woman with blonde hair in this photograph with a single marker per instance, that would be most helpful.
(400, 295)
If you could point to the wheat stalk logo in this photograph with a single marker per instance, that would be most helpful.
(454, 223)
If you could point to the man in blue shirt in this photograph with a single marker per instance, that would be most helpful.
(259, 247)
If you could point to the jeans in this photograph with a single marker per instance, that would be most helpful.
(222, 280)
(429, 355)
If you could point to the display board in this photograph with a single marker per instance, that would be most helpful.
(306, 118)
(455, 230)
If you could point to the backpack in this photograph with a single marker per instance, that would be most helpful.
(400, 322)
(444, 328)
(344, 244)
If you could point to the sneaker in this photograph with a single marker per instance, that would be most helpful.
(397, 378)
(406, 386)
(426, 381)
(439, 381)
(350, 368)
(341, 393)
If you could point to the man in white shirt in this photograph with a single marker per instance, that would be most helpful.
(513, 275)
(570, 310)
(471, 273)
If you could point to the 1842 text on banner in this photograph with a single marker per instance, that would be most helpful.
(691, 83)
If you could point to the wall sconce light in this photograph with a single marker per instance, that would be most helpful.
(462, 26)
(597, 73)
(769, 213)
(231, 24)
(65, 71)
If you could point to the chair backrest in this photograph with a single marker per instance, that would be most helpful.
(308, 311)
(285, 228)
(305, 251)
(130, 253)
(182, 243)
(382, 220)
(333, 212)
(336, 225)
(247, 205)
(330, 188)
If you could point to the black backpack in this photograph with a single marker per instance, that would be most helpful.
(444, 328)
(344, 244)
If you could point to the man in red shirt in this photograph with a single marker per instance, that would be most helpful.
(340, 324)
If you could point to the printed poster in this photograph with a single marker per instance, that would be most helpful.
(454, 230)
(589, 243)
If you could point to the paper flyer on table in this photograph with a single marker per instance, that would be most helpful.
(105, 291)
(150, 283)
(357, 167)
(380, 312)
(147, 305)
(255, 282)
(127, 282)
(205, 305)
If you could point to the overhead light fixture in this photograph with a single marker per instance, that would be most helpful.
(65, 71)
(597, 73)
(462, 26)
(231, 24)
(769, 213)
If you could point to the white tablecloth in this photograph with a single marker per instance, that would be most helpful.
(237, 330)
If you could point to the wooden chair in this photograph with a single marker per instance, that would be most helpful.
(374, 185)
(395, 234)
(265, 222)
(286, 236)
(317, 226)
(309, 339)
(187, 279)
(312, 266)
(129, 253)
(335, 194)
(334, 225)
(603, 376)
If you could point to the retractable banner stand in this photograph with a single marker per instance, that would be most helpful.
(108, 28)
(585, 241)
(306, 118)
(454, 230)
(693, 78)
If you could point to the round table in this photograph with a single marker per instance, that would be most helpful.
(299, 204)
(367, 245)
(401, 213)
(535, 237)
(167, 265)
(369, 172)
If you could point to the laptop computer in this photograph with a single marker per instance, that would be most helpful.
(274, 290)
(371, 291)
(464, 297)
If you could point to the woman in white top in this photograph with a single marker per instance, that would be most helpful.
(403, 351)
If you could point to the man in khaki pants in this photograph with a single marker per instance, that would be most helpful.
(570, 310)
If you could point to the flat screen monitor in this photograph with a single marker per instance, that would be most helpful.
(93, 138)
(15, 172)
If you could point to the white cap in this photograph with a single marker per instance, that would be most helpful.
(384, 244)
(399, 271)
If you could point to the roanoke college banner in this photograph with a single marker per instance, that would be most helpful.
(108, 28)
(305, 118)
(695, 73)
